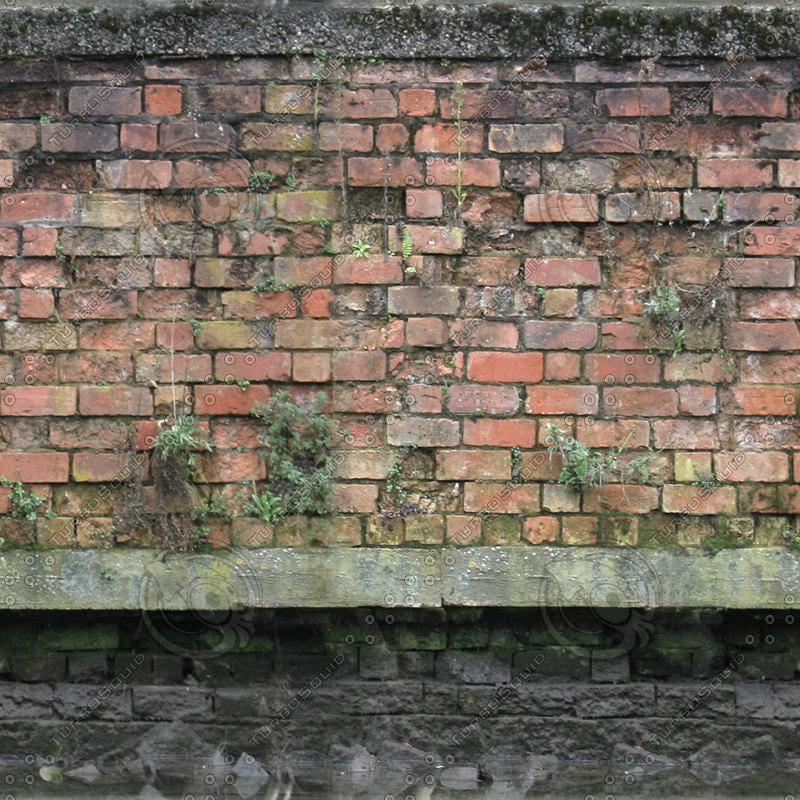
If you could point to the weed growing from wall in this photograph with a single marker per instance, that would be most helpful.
(298, 450)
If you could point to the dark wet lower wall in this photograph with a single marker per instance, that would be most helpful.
(321, 686)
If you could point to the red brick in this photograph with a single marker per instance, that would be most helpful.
(229, 399)
(392, 137)
(402, 171)
(501, 498)
(100, 467)
(414, 300)
(444, 138)
(499, 367)
(635, 402)
(37, 242)
(627, 369)
(699, 401)
(562, 271)
(611, 137)
(724, 173)
(500, 432)
(526, 138)
(316, 303)
(752, 101)
(95, 366)
(136, 136)
(105, 101)
(431, 239)
(163, 100)
(9, 241)
(423, 203)
(249, 305)
(39, 207)
(470, 465)
(311, 367)
(738, 467)
(426, 332)
(126, 335)
(115, 401)
(581, 400)
(175, 336)
(761, 272)
(686, 434)
(612, 433)
(762, 400)
(350, 137)
(629, 102)
(562, 366)
(179, 367)
(762, 336)
(17, 136)
(788, 172)
(79, 138)
(481, 334)
(369, 269)
(228, 99)
(38, 401)
(363, 104)
(226, 466)
(474, 172)
(233, 366)
(770, 369)
(355, 498)
(631, 499)
(561, 207)
(359, 366)
(772, 241)
(698, 500)
(462, 529)
(480, 104)
(649, 207)
(417, 102)
(493, 400)
(172, 272)
(546, 335)
(211, 173)
(702, 139)
(195, 137)
(413, 431)
(90, 304)
(539, 530)
(35, 467)
(769, 499)
(36, 303)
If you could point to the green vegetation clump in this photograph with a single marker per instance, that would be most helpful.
(299, 449)
(180, 515)
(583, 467)
(664, 308)
(23, 503)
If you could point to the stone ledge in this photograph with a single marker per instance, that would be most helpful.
(517, 31)
(766, 578)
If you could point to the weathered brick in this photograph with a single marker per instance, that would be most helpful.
(582, 400)
(545, 335)
(635, 402)
(526, 138)
(751, 101)
(762, 336)
(653, 101)
(105, 101)
(471, 465)
(498, 367)
(698, 500)
(493, 400)
(36, 401)
(562, 271)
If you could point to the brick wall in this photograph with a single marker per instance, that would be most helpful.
(545, 202)
(461, 683)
